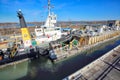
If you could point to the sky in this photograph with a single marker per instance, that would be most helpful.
(66, 10)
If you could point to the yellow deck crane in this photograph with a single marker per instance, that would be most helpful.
(73, 43)
(13, 51)
(25, 32)
(26, 38)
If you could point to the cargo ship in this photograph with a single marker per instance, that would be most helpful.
(29, 48)
(19, 50)
(49, 40)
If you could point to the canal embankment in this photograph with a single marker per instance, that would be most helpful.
(100, 68)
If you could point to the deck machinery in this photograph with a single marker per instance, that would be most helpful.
(25, 33)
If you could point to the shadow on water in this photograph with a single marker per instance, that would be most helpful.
(14, 71)
(44, 69)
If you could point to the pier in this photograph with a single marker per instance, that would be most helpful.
(106, 67)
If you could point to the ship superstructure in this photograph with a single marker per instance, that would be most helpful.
(48, 32)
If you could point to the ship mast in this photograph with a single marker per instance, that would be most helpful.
(49, 7)
(50, 19)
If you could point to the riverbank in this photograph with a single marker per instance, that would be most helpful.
(101, 68)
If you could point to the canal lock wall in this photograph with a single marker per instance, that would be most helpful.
(93, 70)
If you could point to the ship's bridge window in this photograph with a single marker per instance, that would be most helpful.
(57, 28)
(51, 18)
(44, 27)
(38, 30)
(54, 18)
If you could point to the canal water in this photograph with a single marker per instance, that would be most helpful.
(44, 69)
